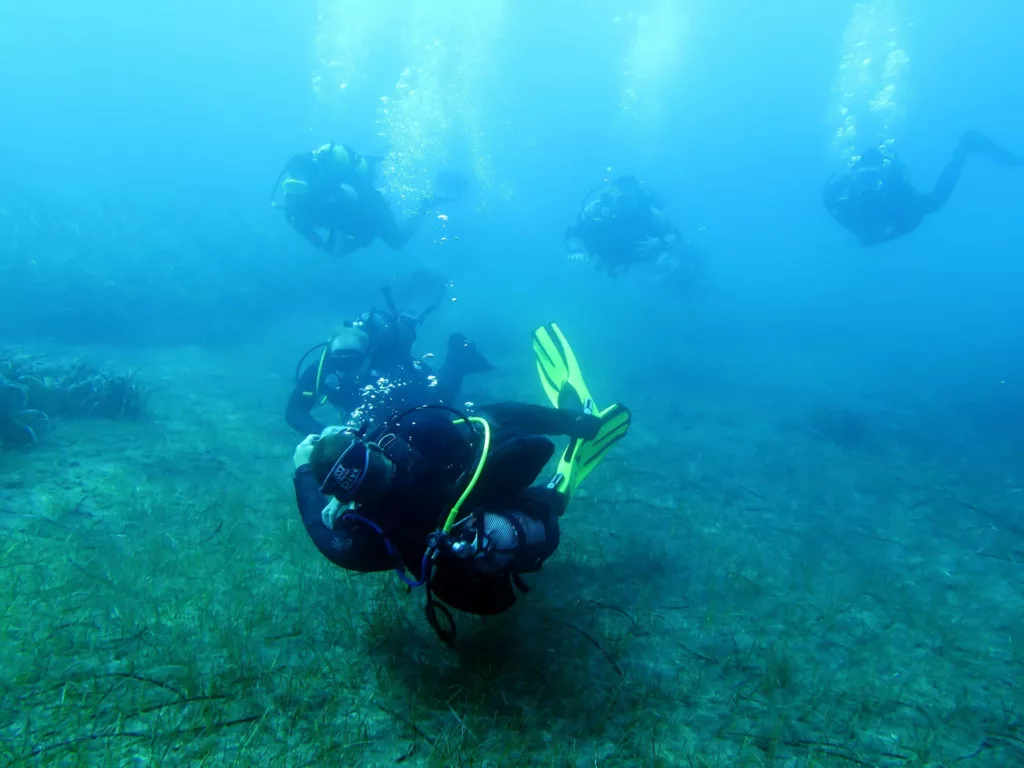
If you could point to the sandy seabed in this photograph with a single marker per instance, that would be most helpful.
(744, 582)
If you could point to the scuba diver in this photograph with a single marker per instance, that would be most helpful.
(447, 499)
(876, 201)
(622, 223)
(368, 363)
(329, 198)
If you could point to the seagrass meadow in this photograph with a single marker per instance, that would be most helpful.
(794, 585)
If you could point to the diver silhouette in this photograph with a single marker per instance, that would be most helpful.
(876, 201)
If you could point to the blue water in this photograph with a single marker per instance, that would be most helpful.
(180, 115)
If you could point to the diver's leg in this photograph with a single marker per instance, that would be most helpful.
(947, 181)
(393, 232)
(971, 142)
(542, 420)
(463, 359)
(424, 292)
(298, 411)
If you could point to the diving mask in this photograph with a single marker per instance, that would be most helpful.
(294, 188)
(361, 474)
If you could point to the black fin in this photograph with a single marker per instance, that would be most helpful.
(975, 142)
(423, 293)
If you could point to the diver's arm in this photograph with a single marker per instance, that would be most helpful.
(301, 402)
(575, 242)
(573, 231)
(542, 420)
(350, 545)
(309, 499)
(929, 202)
(577, 249)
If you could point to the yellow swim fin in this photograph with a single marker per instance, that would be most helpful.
(562, 381)
(557, 367)
(581, 457)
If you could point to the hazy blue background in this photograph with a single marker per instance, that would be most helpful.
(178, 117)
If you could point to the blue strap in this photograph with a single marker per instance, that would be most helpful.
(400, 569)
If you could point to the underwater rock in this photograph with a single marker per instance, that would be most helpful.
(20, 426)
(34, 388)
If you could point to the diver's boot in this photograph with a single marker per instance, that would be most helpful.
(464, 358)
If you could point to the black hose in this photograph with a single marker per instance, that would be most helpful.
(298, 368)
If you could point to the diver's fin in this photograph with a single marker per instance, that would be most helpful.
(581, 457)
(423, 293)
(562, 380)
(559, 372)
(464, 358)
(975, 142)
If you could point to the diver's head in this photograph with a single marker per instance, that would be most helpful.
(349, 340)
(633, 198)
(350, 468)
(627, 184)
(348, 349)
(425, 442)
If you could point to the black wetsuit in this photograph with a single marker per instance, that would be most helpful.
(613, 226)
(393, 381)
(350, 224)
(394, 533)
(876, 201)
(348, 391)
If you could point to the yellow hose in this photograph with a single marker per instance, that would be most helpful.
(454, 514)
